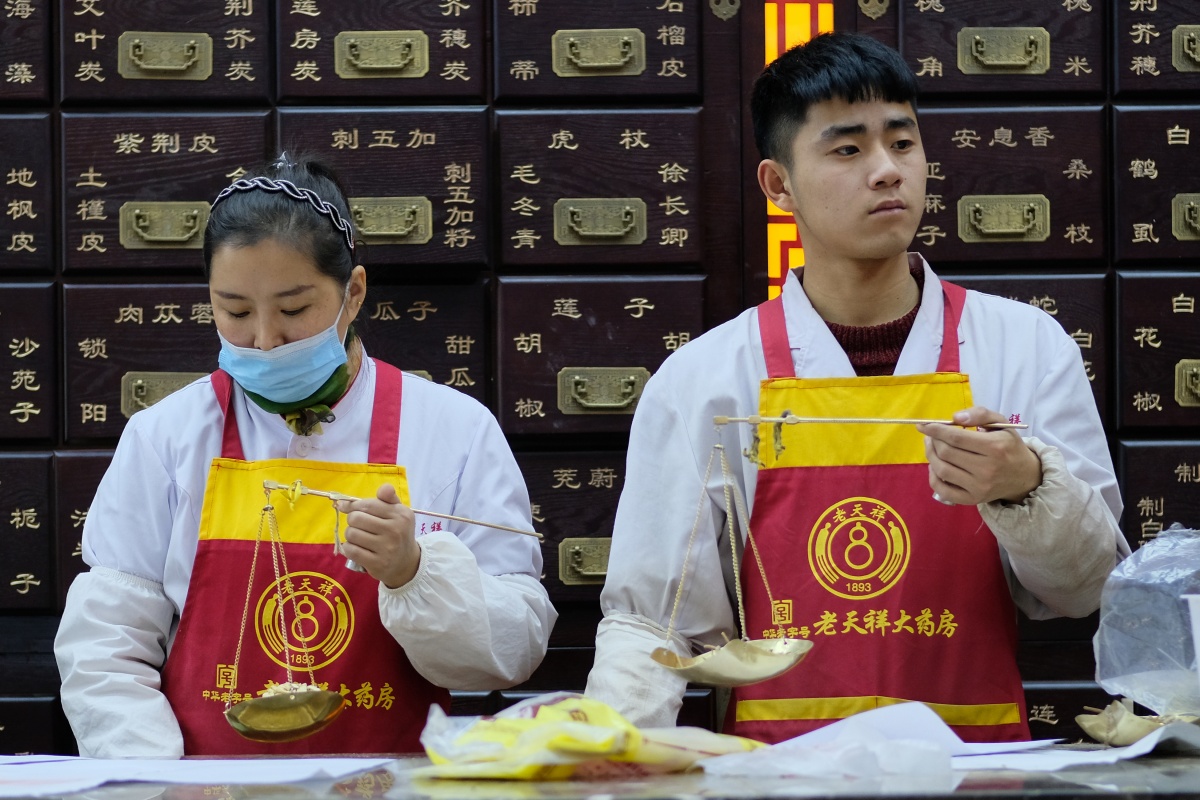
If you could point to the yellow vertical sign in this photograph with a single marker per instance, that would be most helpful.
(785, 26)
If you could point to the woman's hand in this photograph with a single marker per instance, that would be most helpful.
(969, 466)
(380, 537)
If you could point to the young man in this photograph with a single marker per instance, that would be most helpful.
(899, 550)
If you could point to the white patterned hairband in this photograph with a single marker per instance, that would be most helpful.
(296, 193)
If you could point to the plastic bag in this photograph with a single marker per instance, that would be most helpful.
(1143, 646)
(562, 735)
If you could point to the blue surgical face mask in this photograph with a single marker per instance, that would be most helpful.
(290, 372)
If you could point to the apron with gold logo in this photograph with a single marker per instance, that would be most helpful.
(331, 615)
(903, 597)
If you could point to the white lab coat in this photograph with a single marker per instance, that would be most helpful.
(1056, 548)
(475, 616)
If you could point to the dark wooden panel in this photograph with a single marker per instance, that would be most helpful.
(438, 154)
(938, 40)
(574, 498)
(328, 49)
(552, 161)
(134, 51)
(1053, 706)
(548, 326)
(76, 476)
(27, 227)
(1155, 152)
(26, 564)
(1160, 482)
(29, 390)
(115, 160)
(1057, 661)
(1078, 302)
(438, 330)
(605, 48)
(106, 332)
(1158, 350)
(27, 725)
(1055, 153)
(1157, 47)
(25, 43)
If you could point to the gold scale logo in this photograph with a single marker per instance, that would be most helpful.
(858, 548)
(317, 618)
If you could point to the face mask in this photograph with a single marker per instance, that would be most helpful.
(290, 372)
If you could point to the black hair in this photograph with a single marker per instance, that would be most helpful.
(848, 66)
(245, 218)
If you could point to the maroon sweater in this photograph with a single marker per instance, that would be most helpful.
(875, 349)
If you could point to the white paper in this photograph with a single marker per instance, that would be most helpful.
(74, 774)
(1178, 736)
(902, 739)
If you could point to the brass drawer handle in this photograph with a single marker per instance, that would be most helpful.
(593, 225)
(1003, 218)
(583, 561)
(990, 225)
(1030, 55)
(594, 59)
(600, 390)
(629, 393)
(354, 55)
(1191, 46)
(141, 226)
(408, 222)
(137, 52)
(1185, 216)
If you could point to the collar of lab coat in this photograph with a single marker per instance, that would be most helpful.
(817, 353)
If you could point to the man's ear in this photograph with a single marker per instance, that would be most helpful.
(773, 180)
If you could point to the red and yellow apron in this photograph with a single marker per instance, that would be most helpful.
(903, 597)
(335, 628)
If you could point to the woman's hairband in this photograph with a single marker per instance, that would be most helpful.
(296, 193)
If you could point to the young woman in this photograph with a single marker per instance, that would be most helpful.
(170, 625)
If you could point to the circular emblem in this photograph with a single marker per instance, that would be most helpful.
(317, 619)
(858, 548)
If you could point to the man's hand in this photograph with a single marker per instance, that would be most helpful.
(380, 537)
(969, 466)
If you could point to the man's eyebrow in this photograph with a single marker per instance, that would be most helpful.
(838, 131)
(900, 123)
(894, 123)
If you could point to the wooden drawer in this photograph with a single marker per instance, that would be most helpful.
(619, 48)
(1017, 47)
(1157, 47)
(574, 500)
(1014, 183)
(435, 158)
(26, 564)
(381, 48)
(110, 372)
(29, 390)
(1160, 482)
(77, 474)
(1155, 153)
(27, 227)
(25, 43)
(1078, 302)
(438, 332)
(551, 375)
(137, 187)
(28, 725)
(1158, 350)
(599, 187)
(131, 50)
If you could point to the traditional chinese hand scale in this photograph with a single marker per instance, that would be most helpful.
(739, 662)
(295, 710)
